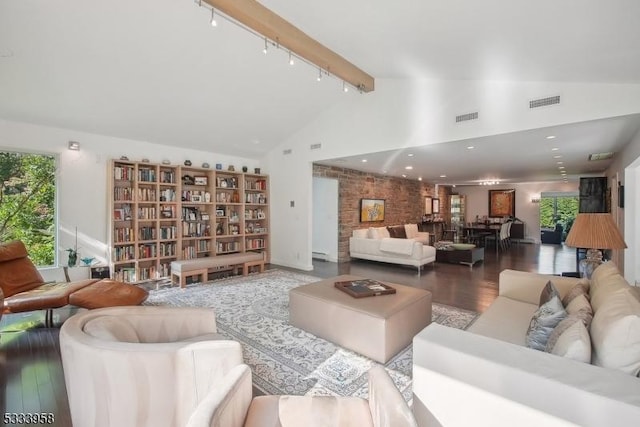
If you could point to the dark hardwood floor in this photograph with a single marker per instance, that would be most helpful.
(32, 379)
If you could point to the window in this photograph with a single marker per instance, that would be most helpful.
(558, 209)
(27, 203)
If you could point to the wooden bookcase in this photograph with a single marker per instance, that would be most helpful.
(160, 213)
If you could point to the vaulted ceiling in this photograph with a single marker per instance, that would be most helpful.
(155, 70)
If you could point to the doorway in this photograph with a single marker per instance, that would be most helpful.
(324, 243)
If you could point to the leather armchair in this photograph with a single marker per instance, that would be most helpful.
(230, 405)
(142, 366)
(24, 288)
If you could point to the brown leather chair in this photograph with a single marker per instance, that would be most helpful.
(25, 290)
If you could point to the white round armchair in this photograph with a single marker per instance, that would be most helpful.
(142, 366)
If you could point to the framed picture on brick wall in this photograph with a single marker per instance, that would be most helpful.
(371, 210)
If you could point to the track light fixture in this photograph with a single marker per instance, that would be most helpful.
(214, 23)
(258, 20)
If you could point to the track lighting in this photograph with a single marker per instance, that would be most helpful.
(252, 16)
(214, 23)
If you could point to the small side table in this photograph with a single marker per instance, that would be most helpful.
(79, 272)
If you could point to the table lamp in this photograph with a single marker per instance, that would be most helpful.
(594, 231)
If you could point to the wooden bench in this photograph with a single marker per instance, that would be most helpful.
(182, 269)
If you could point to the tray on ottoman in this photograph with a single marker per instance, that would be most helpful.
(375, 327)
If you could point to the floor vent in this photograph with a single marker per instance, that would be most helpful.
(544, 102)
(467, 117)
(287, 151)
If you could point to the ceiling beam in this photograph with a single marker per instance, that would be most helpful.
(258, 18)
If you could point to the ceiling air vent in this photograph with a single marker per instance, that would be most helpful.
(315, 146)
(600, 156)
(287, 151)
(544, 102)
(466, 117)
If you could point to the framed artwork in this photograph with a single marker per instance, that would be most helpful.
(427, 206)
(200, 180)
(435, 206)
(371, 210)
(502, 203)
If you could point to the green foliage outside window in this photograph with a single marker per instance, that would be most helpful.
(27, 203)
(558, 210)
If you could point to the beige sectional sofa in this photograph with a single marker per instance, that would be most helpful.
(376, 244)
(490, 372)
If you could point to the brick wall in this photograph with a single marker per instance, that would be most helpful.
(404, 200)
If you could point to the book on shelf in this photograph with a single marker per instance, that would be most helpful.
(359, 288)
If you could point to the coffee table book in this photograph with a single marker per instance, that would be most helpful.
(364, 288)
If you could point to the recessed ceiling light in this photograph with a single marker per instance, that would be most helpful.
(443, 176)
(410, 155)
(384, 171)
(404, 176)
(551, 137)
(470, 147)
(408, 167)
(555, 149)
(557, 156)
(419, 178)
(560, 163)
(364, 160)
(560, 167)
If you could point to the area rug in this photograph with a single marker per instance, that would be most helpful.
(254, 310)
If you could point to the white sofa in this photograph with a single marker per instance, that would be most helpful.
(375, 244)
(498, 381)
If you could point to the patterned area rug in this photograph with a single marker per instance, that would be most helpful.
(254, 310)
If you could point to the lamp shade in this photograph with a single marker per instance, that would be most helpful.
(595, 230)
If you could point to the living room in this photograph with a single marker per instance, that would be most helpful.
(136, 94)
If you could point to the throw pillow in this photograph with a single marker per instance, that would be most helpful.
(361, 233)
(548, 292)
(397, 232)
(578, 304)
(411, 230)
(615, 333)
(570, 339)
(378, 233)
(544, 320)
(580, 288)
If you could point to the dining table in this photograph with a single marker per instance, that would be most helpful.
(476, 228)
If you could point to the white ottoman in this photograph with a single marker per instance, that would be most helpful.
(377, 327)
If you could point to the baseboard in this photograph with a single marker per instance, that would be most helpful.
(304, 267)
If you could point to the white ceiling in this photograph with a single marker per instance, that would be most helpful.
(156, 71)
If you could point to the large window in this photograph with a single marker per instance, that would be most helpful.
(558, 209)
(27, 203)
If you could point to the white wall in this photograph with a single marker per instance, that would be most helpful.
(325, 217)
(82, 176)
(404, 113)
(626, 168)
(477, 202)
